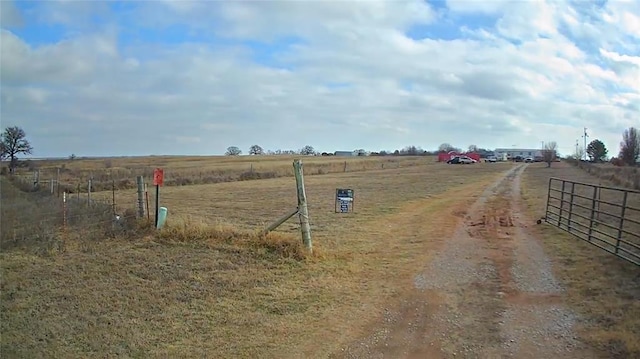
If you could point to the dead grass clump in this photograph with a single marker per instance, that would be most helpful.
(190, 230)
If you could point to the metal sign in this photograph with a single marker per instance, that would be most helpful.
(158, 177)
(344, 200)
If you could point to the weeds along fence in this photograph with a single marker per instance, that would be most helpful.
(628, 177)
(606, 217)
(42, 218)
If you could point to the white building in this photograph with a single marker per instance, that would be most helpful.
(513, 152)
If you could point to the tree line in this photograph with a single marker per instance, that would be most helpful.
(629, 154)
(257, 150)
(13, 142)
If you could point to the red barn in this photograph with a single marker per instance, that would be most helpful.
(446, 156)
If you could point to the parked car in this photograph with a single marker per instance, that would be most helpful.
(461, 160)
(529, 160)
(491, 159)
(518, 159)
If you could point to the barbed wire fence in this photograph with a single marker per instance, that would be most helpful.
(42, 212)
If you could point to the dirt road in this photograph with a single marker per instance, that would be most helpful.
(489, 293)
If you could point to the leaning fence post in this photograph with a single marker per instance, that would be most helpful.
(140, 182)
(303, 213)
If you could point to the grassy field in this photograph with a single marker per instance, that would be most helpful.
(604, 289)
(207, 284)
(180, 171)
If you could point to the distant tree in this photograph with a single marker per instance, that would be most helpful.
(473, 148)
(360, 152)
(549, 153)
(256, 150)
(411, 151)
(12, 144)
(597, 151)
(383, 153)
(307, 150)
(233, 151)
(446, 147)
(72, 156)
(630, 146)
(396, 153)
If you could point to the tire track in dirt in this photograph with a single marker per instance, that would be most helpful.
(489, 293)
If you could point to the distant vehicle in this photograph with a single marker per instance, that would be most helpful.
(491, 159)
(461, 160)
(518, 159)
(529, 160)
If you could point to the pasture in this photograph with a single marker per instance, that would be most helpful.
(188, 170)
(208, 285)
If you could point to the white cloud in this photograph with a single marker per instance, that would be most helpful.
(352, 79)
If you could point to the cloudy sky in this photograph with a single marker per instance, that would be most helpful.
(186, 77)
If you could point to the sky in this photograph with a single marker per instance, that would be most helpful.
(111, 78)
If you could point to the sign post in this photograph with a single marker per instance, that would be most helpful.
(344, 200)
(158, 180)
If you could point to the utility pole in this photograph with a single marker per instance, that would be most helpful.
(577, 144)
(585, 143)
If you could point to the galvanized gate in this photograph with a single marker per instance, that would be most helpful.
(607, 217)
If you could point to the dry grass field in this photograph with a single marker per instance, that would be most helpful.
(207, 285)
(604, 289)
(180, 171)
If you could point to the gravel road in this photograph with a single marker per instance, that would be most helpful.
(489, 293)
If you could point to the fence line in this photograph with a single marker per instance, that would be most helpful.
(607, 217)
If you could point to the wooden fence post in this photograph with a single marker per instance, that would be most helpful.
(140, 182)
(58, 180)
(89, 193)
(146, 198)
(36, 179)
(303, 213)
(64, 211)
(113, 195)
(51, 185)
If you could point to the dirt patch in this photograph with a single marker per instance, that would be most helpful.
(489, 292)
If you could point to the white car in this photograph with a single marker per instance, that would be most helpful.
(467, 160)
(491, 159)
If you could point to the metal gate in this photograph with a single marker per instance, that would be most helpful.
(607, 217)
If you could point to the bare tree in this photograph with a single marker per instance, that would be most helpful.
(447, 147)
(630, 146)
(549, 153)
(12, 144)
(579, 154)
(473, 148)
